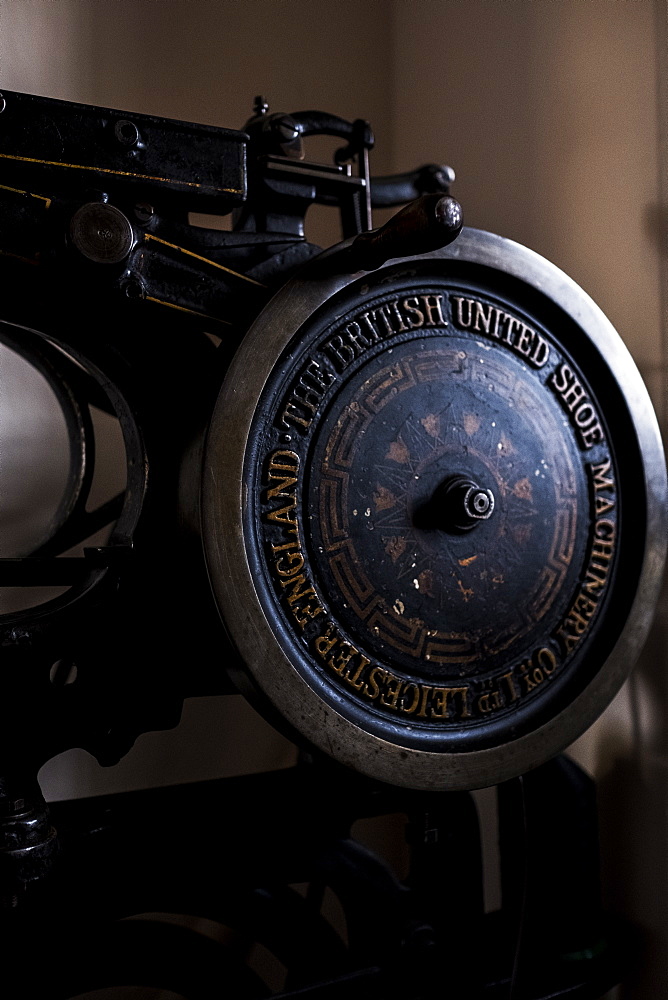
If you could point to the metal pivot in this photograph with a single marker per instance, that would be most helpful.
(458, 504)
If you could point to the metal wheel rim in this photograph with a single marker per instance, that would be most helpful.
(270, 674)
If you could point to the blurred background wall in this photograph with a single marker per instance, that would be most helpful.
(553, 114)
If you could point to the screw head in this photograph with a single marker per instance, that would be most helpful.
(143, 212)
(133, 288)
(285, 129)
(126, 132)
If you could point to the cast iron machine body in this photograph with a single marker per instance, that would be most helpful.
(389, 491)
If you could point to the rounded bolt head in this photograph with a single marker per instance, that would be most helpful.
(285, 129)
(133, 288)
(449, 213)
(144, 212)
(448, 174)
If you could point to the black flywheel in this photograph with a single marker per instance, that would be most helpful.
(434, 512)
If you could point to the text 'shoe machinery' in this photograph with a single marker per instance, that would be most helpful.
(407, 495)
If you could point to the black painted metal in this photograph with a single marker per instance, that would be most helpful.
(266, 832)
(125, 330)
(77, 147)
(428, 223)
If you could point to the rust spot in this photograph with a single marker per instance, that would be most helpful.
(395, 547)
(506, 446)
(466, 592)
(522, 489)
(521, 533)
(498, 579)
(426, 582)
(399, 452)
(471, 423)
(383, 498)
(467, 561)
(432, 424)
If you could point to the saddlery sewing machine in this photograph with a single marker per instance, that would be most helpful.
(407, 494)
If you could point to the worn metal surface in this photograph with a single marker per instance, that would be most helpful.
(80, 146)
(413, 651)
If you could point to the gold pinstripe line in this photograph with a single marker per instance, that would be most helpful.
(118, 173)
(193, 312)
(213, 263)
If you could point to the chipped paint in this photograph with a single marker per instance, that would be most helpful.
(467, 561)
(471, 423)
(398, 452)
(395, 547)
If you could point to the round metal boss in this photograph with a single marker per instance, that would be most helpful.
(102, 233)
(433, 508)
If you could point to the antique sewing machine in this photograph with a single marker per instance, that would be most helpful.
(406, 494)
